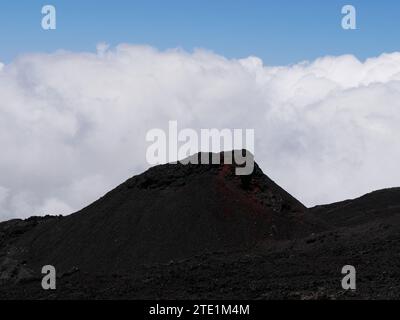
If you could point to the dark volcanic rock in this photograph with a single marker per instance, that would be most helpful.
(168, 213)
(370, 207)
(201, 232)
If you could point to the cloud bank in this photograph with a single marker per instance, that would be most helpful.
(73, 125)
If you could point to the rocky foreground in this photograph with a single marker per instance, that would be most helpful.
(201, 232)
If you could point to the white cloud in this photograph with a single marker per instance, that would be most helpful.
(3, 195)
(54, 206)
(73, 125)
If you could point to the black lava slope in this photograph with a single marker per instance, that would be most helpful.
(200, 231)
(376, 205)
(167, 213)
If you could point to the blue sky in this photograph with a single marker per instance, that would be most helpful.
(279, 32)
(64, 118)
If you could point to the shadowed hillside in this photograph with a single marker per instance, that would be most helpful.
(200, 231)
